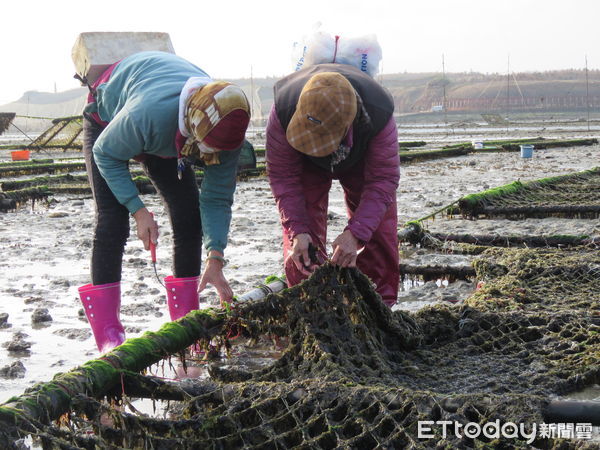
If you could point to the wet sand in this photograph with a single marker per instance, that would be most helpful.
(45, 254)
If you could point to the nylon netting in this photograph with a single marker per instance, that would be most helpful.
(355, 375)
(575, 195)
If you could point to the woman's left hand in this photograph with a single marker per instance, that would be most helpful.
(213, 275)
(345, 250)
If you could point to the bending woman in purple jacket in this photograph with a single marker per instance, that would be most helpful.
(332, 121)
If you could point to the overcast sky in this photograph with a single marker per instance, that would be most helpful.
(228, 37)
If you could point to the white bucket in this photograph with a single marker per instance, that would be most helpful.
(477, 145)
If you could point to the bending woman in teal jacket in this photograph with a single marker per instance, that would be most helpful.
(160, 110)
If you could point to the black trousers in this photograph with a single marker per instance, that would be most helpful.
(111, 231)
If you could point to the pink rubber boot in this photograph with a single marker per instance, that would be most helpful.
(102, 304)
(182, 295)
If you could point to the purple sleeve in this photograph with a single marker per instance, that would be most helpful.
(284, 169)
(382, 175)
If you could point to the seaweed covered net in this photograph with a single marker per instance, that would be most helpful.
(574, 195)
(356, 375)
(6, 119)
(541, 281)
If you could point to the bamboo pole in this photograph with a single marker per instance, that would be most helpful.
(45, 402)
(463, 272)
(41, 168)
(572, 411)
(155, 388)
(512, 241)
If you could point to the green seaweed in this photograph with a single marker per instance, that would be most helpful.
(525, 197)
(272, 278)
(471, 200)
(411, 144)
(424, 155)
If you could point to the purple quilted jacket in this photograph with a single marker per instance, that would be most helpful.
(381, 178)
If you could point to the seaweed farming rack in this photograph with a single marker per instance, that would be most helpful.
(63, 134)
(65, 175)
(6, 119)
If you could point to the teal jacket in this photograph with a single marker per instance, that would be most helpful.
(140, 102)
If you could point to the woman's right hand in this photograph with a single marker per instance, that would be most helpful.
(147, 228)
(300, 255)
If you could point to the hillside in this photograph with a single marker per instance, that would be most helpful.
(555, 91)
(473, 92)
(45, 104)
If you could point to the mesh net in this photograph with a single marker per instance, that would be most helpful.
(543, 281)
(575, 195)
(356, 375)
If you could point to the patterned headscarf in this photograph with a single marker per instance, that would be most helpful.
(207, 112)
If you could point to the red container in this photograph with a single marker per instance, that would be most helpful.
(20, 155)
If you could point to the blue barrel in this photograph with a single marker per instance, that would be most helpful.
(526, 151)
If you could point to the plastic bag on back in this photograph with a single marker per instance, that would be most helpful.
(362, 52)
(316, 48)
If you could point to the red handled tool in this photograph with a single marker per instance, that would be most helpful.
(153, 252)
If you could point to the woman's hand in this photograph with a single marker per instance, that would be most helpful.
(213, 275)
(345, 250)
(147, 228)
(300, 256)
